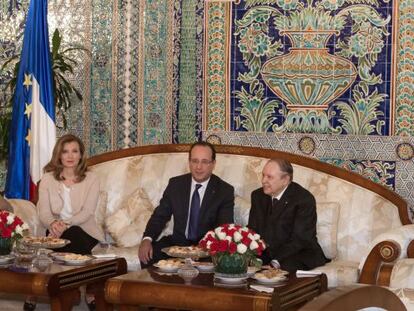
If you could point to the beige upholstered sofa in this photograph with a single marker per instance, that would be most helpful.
(355, 215)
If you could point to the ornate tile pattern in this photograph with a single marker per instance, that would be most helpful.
(126, 40)
(190, 83)
(404, 116)
(216, 53)
(311, 67)
(157, 72)
(374, 157)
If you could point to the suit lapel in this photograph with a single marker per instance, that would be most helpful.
(208, 196)
(186, 190)
(283, 202)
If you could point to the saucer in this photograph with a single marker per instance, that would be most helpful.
(221, 283)
(227, 279)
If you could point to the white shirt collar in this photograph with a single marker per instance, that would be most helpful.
(280, 194)
(203, 184)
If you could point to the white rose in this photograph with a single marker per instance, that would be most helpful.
(231, 226)
(19, 230)
(241, 248)
(208, 244)
(10, 219)
(250, 236)
(228, 238)
(221, 235)
(25, 226)
(253, 245)
(237, 236)
(256, 237)
(217, 230)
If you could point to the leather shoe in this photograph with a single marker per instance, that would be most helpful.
(91, 305)
(29, 306)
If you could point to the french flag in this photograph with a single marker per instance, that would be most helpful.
(33, 131)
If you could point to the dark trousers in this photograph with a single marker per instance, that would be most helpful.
(80, 242)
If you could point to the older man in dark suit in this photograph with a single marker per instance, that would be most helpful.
(198, 202)
(284, 214)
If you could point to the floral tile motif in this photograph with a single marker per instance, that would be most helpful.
(381, 172)
(312, 67)
(374, 157)
(404, 114)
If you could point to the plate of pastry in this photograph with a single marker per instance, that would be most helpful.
(72, 259)
(272, 276)
(170, 265)
(185, 252)
(44, 241)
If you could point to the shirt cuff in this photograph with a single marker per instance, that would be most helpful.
(275, 264)
(146, 238)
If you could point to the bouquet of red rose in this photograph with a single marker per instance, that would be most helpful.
(11, 226)
(232, 239)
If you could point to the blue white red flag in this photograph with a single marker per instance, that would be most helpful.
(33, 131)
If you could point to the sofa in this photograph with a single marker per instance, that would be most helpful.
(363, 227)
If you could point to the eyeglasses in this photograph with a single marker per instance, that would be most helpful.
(202, 162)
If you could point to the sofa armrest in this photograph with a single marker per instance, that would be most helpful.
(376, 266)
(355, 297)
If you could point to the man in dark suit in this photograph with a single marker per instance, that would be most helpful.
(198, 202)
(284, 214)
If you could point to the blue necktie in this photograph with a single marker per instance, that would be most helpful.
(194, 212)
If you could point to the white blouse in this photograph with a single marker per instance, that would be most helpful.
(66, 212)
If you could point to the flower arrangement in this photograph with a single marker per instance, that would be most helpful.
(232, 248)
(232, 239)
(11, 226)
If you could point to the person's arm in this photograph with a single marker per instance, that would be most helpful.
(254, 213)
(304, 230)
(44, 208)
(161, 215)
(89, 205)
(226, 210)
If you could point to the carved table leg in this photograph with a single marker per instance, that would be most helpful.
(65, 300)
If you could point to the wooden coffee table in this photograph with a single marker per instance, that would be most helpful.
(61, 283)
(149, 288)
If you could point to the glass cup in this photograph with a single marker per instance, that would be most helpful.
(42, 261)
(24, 255)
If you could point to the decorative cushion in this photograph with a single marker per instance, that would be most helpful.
(127, 224)
(241, 211)
(327, 227)
(100, 212)
(403, 273)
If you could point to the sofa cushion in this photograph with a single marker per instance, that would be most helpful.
(127, 224)
(403, 273)
(340, 272)
(327, 227)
